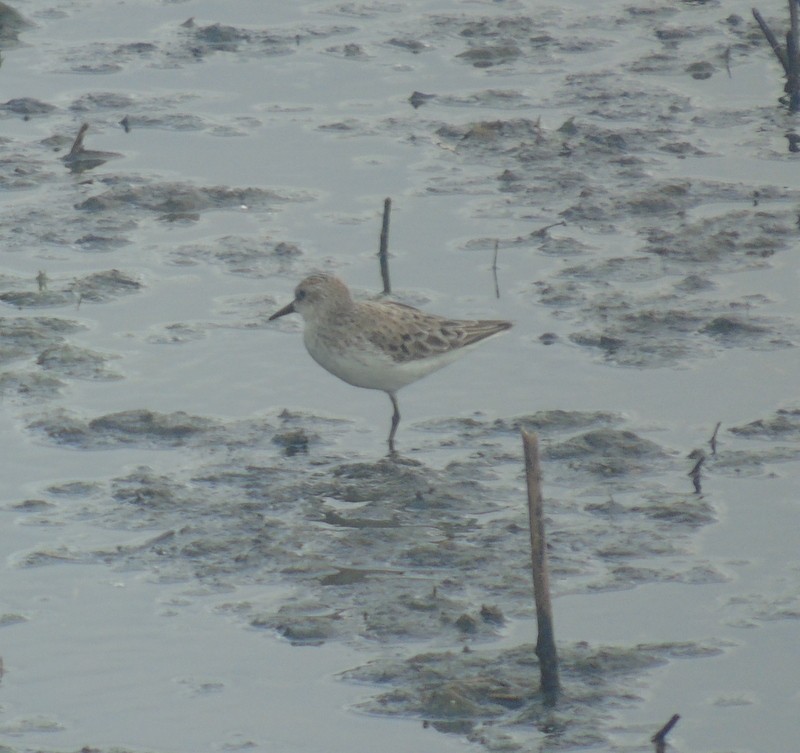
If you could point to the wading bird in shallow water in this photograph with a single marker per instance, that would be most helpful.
(379, 345)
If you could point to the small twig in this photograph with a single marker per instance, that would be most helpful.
(383, 253)
(694, 474)
(789, 56)
(77, 145)
(542, 231)
(659, 738)
(773, 41)
(545, 643)
(793, 57)
(494, 271)
(79, 159)
(713, 440)
(793, 77)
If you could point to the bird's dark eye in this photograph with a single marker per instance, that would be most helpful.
(300, 295)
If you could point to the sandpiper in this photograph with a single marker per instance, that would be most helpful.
(379, 345)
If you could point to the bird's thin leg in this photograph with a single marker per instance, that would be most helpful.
(395, 422)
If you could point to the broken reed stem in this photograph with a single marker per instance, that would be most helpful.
(494, 271)
(545, 643)
(773, 41)
(383, 253)
(542, 231)
(793, 76)
(77, 145)
(713, 440)
(659, 739)
(694, 474)
(790, 56)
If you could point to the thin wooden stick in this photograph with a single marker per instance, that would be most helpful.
(713, 440)
(545, 643)
(793, 58)
(383, 253)
(77, 145)
(494, 271)
(773, 41)
(789, 56)
(542, 231)
(694, 474)
(659, 739)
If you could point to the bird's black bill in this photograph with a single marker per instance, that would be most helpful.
(288, 309)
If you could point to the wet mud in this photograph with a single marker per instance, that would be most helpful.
(643, 269)
(396, 552)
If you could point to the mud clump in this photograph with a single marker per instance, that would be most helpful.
(143, 428)
(493, 696)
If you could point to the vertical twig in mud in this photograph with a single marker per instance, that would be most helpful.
(77, 145)
(713, 441)
(790, 57)
(545, 643)
(773, 41)
(694, 474)
(494, 271)
(659, 739)
(383, 253)
(793, 77)
(792, 50)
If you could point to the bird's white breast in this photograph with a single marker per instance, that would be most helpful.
(363, 365)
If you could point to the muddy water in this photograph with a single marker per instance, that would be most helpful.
(204, 545)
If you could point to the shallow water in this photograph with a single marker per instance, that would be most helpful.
(201, 538)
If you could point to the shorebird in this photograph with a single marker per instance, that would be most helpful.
(379, 345)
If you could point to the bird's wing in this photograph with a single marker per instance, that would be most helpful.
(410, 334)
